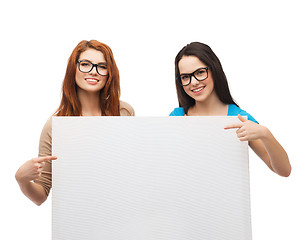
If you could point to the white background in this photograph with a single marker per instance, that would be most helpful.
(261, 45)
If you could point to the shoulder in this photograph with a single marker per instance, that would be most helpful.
(234, 110)
(45, 142)
(126, 109)
(47, 129)
(177, 112)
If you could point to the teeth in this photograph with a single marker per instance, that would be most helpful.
(198, 89)
(91, 80)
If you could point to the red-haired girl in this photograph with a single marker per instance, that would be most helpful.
(90, 88)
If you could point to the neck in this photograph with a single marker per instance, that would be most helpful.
(90, 103)
(210, 107)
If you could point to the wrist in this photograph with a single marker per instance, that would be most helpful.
(266, 134)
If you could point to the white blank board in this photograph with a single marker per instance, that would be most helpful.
(149, 178)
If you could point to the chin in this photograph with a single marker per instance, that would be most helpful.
(90, 89)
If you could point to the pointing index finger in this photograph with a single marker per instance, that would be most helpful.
(235, 125)
(47, 158)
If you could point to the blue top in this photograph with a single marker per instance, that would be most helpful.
(233, 110)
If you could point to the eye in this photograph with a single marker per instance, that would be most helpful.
(102, 66)
(84, 64)
(185, 77)
(200, 72)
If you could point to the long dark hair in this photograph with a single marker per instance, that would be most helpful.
(205, 54)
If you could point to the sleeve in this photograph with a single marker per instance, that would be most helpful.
(249, 117)
(125, 109)
(177, 112)
(45, 149)
(234, 110)
(172, 113)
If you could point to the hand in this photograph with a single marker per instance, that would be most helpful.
(247, 130)
(32, 169)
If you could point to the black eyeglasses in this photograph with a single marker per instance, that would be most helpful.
(86, 66)
(199, 74)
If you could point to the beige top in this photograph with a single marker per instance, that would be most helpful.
(45, 147)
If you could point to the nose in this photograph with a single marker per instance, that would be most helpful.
(194, 81)
(94, 70)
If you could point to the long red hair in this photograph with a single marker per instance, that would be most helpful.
(109, 95)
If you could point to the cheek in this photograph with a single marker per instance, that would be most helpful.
(103, 79)
(77, 76)
(210, 79)
(211, 83)
(78, 79)
(189, 93)
(186, 89)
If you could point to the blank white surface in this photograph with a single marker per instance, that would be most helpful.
(263, 58)
(156, 178)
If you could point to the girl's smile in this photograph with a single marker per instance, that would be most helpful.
(198, 90)
(92, 81)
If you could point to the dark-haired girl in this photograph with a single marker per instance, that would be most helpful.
(202, 90)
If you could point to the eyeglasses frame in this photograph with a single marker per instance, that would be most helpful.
(193, 74)
(93, 65)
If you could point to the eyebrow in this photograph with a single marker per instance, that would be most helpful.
(193, 71)
(100, 63)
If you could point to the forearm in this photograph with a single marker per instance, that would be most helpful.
(33, 191)
(278, 157)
